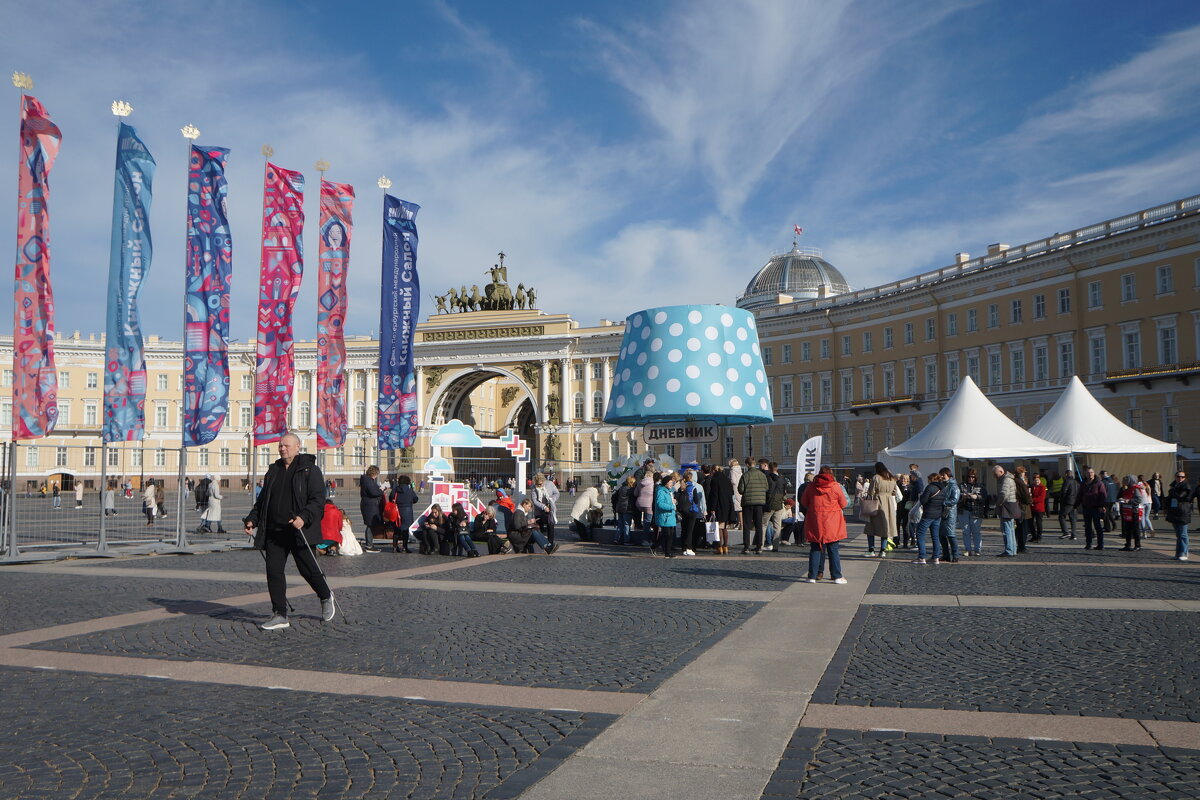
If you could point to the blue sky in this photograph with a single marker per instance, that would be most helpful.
(626, 154)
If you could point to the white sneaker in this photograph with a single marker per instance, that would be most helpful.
(688, 553)
(809, 580)
(784, 544)
(918, 561)
(1183, 558)
(839, 580)
(937, 561)
(870, 554)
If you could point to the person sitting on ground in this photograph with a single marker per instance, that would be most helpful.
(430, 531)
(505, 508)
(484, 530)
(459, 525)
(331, 530)
(524, 531)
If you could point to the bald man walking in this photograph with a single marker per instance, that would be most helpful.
(289, 510)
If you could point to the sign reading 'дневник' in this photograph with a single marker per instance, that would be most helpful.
(691, 432)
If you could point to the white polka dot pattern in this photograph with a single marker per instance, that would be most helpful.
(701, 362)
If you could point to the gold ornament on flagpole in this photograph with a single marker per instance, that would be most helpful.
(321, 166)
(384, 182)
(22, 81)
(121, 109)
(268, 151)
(190, 132)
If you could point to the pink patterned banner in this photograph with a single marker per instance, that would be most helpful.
(282, 269)
(35, 381)
(337, 206)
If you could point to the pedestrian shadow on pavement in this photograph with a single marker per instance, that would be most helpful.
(734, 573)
(205, 608)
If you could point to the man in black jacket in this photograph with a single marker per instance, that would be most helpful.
(289, 510)
(1068, 501)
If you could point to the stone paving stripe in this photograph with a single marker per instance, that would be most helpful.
(1107, 730)
(1006, 601)
(717, 728)
(580, 700)
(1182, 735)
(745, 595)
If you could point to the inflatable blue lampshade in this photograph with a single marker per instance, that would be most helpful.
(690, 362)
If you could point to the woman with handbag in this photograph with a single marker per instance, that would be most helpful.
(878, 510)
(932, 502)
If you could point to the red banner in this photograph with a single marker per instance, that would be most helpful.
(35, 381)
(281, 270)
(337, 206)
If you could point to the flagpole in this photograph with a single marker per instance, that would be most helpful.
(384, 183)
(191, 133)
(314, 415)
(23, 82)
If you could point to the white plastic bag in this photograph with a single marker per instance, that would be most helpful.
(712, 532)
(350, 545)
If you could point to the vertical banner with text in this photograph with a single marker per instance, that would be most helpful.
(401, 303)
(209, 275)
(35, 381)
(808, 459)
(129, 259)
(337, 207)
(282, 269)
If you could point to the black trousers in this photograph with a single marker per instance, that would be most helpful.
(547, 526)
(687, 529)
(1066, 515)
(281, 542)
(752, 516)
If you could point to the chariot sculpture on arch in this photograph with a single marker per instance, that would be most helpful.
(496, 295)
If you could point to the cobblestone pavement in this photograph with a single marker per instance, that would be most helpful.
(1137, 664)
(145, 738)
(30, 601)
(847, 764)
(762, 574)
(251, 561)
(629, 644)
(1178, 583)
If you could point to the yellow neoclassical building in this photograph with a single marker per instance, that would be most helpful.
(1116, 302)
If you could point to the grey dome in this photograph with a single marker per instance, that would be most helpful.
(800, 273)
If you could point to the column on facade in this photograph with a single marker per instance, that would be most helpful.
(587, 390)
(544, 393)
(605, 381)
(420, 395)
(312, 400)
(564, 391)
(372, 398)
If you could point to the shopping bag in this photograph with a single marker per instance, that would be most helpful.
(712, 532)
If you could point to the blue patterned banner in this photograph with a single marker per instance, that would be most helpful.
(128, 263)
(209, 272)
(401, 297)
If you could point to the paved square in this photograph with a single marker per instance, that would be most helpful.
(1181, 583)
(251, 561)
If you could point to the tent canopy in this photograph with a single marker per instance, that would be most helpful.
(1078, 421)
(970, 427)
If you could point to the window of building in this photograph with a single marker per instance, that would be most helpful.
(993, 315)
(889, 382)
(1018, 366)
(868, 382)
(577, 369)
(1041, 362)
(595, 451)
(824, 348)
(247, 383)
(1097, 349)
(64, 413)
(973, 368)
(847, 390)
(31, 455)
(245, 415)
(766, 356)
(1066, 359)
(204, 456)
(930, 329)
(785, 394)
(360, 380)
(888, 338)
(951, 373)
(161, 382)
(91, 414)
(1166, 281)
(114, 457)
(224, 457)
(360, 414)
(846, 345)
(1168, 352)
(868, 442)
(826, 392)
(6, 414)
(60, 456)
(1133, 418)
(160, 457)
(910, 380)
(306, 381)
(1039, 306)
(597, 370)
(766, 445)
(847, 442)
(806, 351)
(1095, 295)
(995, 372)
(931, 378)
(179, 382)
(1128, 288)
(1064, 301)
(578, 405)
(135, 457)
(1131, 349)
(787, 443)
(304, 414)
(160, 415)
(577, 449)
(952, 325)
(786, 353)
(93, 380)
(972, 320)
(6, 377)
(1015, 312)
(728, 447)
(597, 405)
(89, 456)
(908, 333)
(1170, 424)
(64, 380)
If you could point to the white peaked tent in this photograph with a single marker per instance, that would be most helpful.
(1078, 421)
(968, 428)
